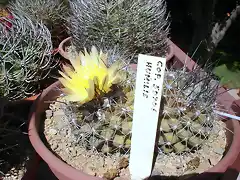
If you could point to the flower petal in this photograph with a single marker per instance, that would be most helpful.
(91, 89)
(75, 98)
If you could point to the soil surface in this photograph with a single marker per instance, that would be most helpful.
(62, 142)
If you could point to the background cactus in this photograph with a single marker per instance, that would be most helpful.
(186, 119)
(133, 26)
(25, 56)
(50, 13)
(3, 3)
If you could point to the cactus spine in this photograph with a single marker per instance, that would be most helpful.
(133, 26)
(186, 119)
(25, 56)
(51, 13)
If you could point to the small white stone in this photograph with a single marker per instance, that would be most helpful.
(52, 131)
(219, 151)
(120, 178)
(89, 170)
(54, 145)
(49, 113)
(59, 113)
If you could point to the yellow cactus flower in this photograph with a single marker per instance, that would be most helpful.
(88, 75)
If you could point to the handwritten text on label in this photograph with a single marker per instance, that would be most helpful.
(155, 80)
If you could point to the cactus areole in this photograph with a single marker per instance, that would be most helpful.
(108, 90)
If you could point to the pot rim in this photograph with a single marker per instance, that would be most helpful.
(53, 161)
(58, 165)
(32, 98)
(64, 54)
(61, 50)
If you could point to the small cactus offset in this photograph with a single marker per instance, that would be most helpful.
(25, 57)
(98, 101)
(134, 26)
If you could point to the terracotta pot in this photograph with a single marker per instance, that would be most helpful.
(231, 105)
(65, 172)
(33, 164)
(62, 45)
(61, 170)
(32, 98)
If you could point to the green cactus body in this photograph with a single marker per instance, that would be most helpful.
(25, 57)
(52, 13)
(107, 23)
(184, 124)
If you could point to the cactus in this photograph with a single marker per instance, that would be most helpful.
(104, 121)
(25, 57)
(4, 3)
(187, 116)
(51, 13)
(133, 26)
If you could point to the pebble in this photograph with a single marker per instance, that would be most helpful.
(120, 178)
(123, 163)
(108, 162)
(124, 173)
(14, 174)
(21, 172)
(64, 132)
(65, 144)
(52, 131)
(48, 122)
(79, 152)
(74, 152)
(58, 116)
(100, 162)
(54, 145)
(219, 151)
(90, 170)
(58, 113)
(49, 113)
(111, 174)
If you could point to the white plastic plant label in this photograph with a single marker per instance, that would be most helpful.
(148, 92)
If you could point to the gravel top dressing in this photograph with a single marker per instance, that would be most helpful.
(61, 140)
